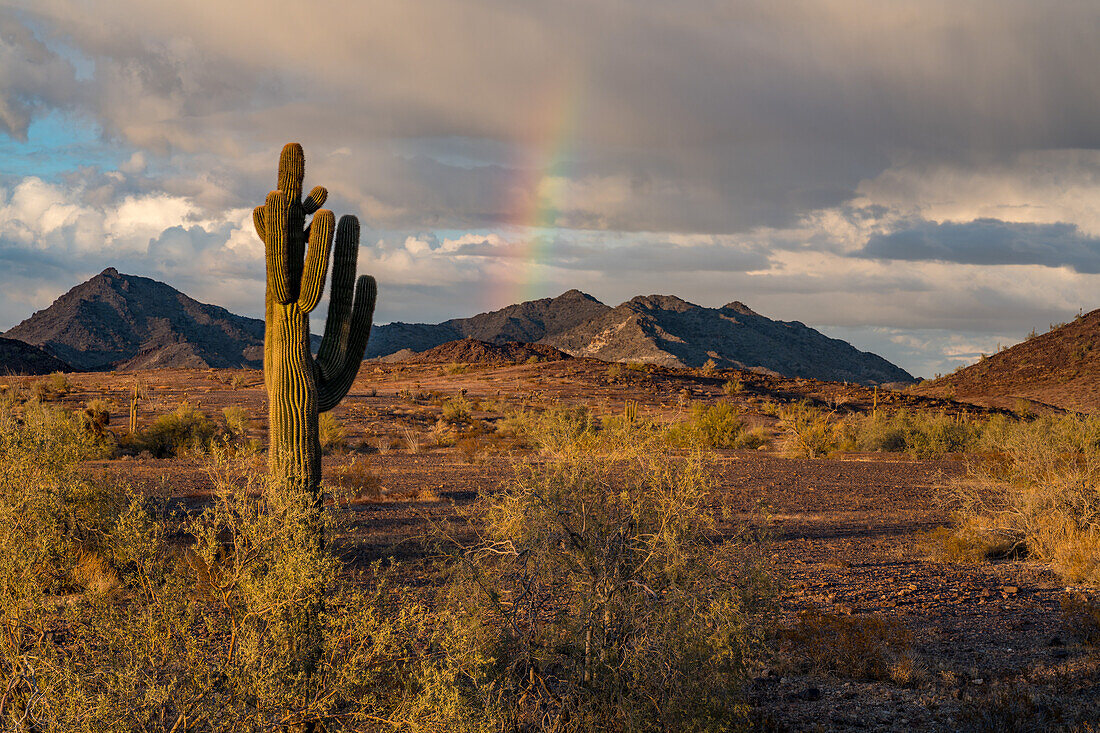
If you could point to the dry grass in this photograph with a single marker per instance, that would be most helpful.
(1039, 494)
(359, 481)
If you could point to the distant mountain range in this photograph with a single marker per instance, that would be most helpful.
(654, 329)
(117, 321)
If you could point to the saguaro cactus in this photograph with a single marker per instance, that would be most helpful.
(299, 386)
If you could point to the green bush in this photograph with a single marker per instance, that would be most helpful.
(712, 426)
(251, 624)
(595, 598)
(187, 430)
(920, 434)
(457, 410)
(809, 431)
(1036, 494)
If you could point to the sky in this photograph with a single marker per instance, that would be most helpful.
(919, 178)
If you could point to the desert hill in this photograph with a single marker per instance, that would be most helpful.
(473, 351)
(17, 357)
(1060, 368)
(117, 320)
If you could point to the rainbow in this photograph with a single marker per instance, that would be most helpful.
(536, 195)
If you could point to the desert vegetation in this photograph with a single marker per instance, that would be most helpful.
(589, 595)
(1036, 493)
(502, 555)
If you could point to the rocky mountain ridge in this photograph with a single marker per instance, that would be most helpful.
(124, 321)
(657, 329)
(17, 357)
(127, 322)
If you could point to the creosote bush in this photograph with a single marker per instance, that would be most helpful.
(596, 598)
(920, 434)
(250, 624)
(810, 433)
(855, 647)
(1037, 492)
(187, 430)
(457, 410)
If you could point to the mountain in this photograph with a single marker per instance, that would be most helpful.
(115, 320)
(527, 322)
(1060, 368)
(17, 357)
(657, 329)
(666, 330)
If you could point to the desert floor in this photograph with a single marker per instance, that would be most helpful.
(847, 535)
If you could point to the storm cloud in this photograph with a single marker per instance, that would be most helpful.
(814, 159)
(989, 242)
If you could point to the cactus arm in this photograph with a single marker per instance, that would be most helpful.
(315, 200)
(331, 391)
(276, 248)
(292, 166)
(334, 341)
(316, 265)
(258, 220)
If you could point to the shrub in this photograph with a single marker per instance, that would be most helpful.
(709, 366)
(249, 626)
(331, 433)
(456, 368)
(1082, 616)
(187, 430)
(236, 421)
(456, 410)
(810, 433)
(1024, 409)
(595, 598)
(855, 647)
(58, 383)
(1037, 492)
(733, 386)
(470, 446)
(922, 435)
(714, 426)
(96, 417)
(359, 480)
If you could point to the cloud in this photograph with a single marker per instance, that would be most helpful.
(698, 118)
(33, 78)
(989, 242)
(916, 164)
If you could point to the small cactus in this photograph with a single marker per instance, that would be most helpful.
(630, 411)
(299, 386)
(134, 410)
